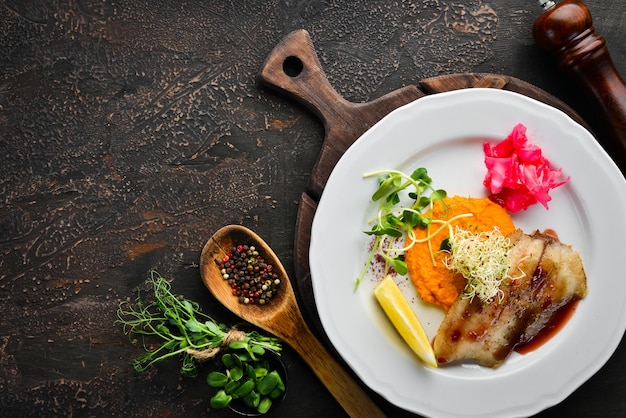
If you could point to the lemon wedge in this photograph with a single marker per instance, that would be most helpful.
(403, 318)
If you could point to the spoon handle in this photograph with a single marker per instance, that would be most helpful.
(354, 400)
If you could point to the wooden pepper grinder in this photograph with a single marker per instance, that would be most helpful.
(565, 30)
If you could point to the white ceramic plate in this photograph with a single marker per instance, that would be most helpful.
(444, 133)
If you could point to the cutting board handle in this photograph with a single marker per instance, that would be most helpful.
(566, 31)
(293, 68)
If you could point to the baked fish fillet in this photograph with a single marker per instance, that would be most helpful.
(550, 275)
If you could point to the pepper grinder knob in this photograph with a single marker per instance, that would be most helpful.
(566, 31)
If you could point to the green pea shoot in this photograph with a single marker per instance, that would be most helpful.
(187, 333)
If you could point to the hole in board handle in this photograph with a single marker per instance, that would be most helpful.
(293, 66)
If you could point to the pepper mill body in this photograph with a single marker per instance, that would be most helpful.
(566, 31)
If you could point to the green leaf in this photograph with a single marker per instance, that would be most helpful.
(276, 393)
(245, 388)
(163, 329)
(250, 372)
(421, 173)
(380, 192)
(231, 386)
(228, 361)
(212, 327)
(238, 345)
(392, 232)
(193, 326)
(264, 405)
(280, 385)
(188, 307)
(376, 230)
(262, 363)
(220, 400)
(423, 202)
(392, 220)
(257, 349)
(267, 383)
(446, 245)
(260, 372)
(384, 188)
(410, 218)
(171, 344)
(217, 379)
(237, 360)
(423, 222)
(252, 399)
(399, 265)
(244, 356)
(393, 199)
(236, 373)
(438, 195)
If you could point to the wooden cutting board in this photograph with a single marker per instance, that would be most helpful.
(293, 68)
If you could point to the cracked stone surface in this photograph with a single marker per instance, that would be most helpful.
(132, 130)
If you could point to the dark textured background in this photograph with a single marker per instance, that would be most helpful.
(132, 130)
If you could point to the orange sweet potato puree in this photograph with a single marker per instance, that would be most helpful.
(435, 283)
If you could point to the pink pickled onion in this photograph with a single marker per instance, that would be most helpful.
(518, 175)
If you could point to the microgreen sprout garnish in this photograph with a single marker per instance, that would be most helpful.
(249, 379)
(483, 259)
(396, 219)
(182, 329)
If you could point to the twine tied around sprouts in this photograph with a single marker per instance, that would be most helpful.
(203, 355)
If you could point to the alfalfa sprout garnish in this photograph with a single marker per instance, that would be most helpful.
(482, 259)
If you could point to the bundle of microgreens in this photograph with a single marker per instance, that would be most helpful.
(183, 330)
(395, 220)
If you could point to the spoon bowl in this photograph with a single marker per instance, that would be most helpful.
(281, 317)
(219, 246)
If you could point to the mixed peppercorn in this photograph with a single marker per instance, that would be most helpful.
(249, 276)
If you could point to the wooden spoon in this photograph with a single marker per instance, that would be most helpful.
(281, 317)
